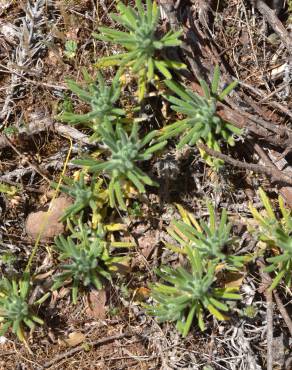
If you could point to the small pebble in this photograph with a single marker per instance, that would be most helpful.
(47, 223)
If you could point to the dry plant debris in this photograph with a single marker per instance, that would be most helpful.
(96, 109)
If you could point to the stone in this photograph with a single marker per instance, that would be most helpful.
(47, 223)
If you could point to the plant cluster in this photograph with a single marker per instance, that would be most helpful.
(277, 234)
(212, 239)
(125, 152)
(102, 100)
(188, 290)
(202, 123)
(87, 259)
(87, 254)
(109, 123)
(15, 310)
(84, 195)
(142, 43)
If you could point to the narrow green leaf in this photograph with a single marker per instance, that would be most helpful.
(134, 179)
(221, 306)
(215, 80)
(277, 280)
(155, 148)
(111, 193)
(119, 196)
(205, 88)
(267, 204)
(216, 313)
(189, 321)
(162, 67)
(227, 90)
(178, 89)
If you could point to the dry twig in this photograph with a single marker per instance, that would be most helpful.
(283, 311)
(274, 173)
(37, 168)
(275, 23)
(266, 281)
(77, 349)
(44, 124)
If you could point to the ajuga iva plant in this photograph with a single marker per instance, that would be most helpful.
(84, 195)
(277, 234)
(141, 42)
(126, 150)
(101, 98)
(87, 260)
(213, 239)
(15, 310)
(202, 123)
(185, 293)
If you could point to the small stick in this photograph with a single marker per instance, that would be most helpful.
(280, 305)
(266, 281)
(44, 124)
(269, 299)
(72, 351)
(283, 311)
(275, 23)
(273, 172)
(37, 168)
